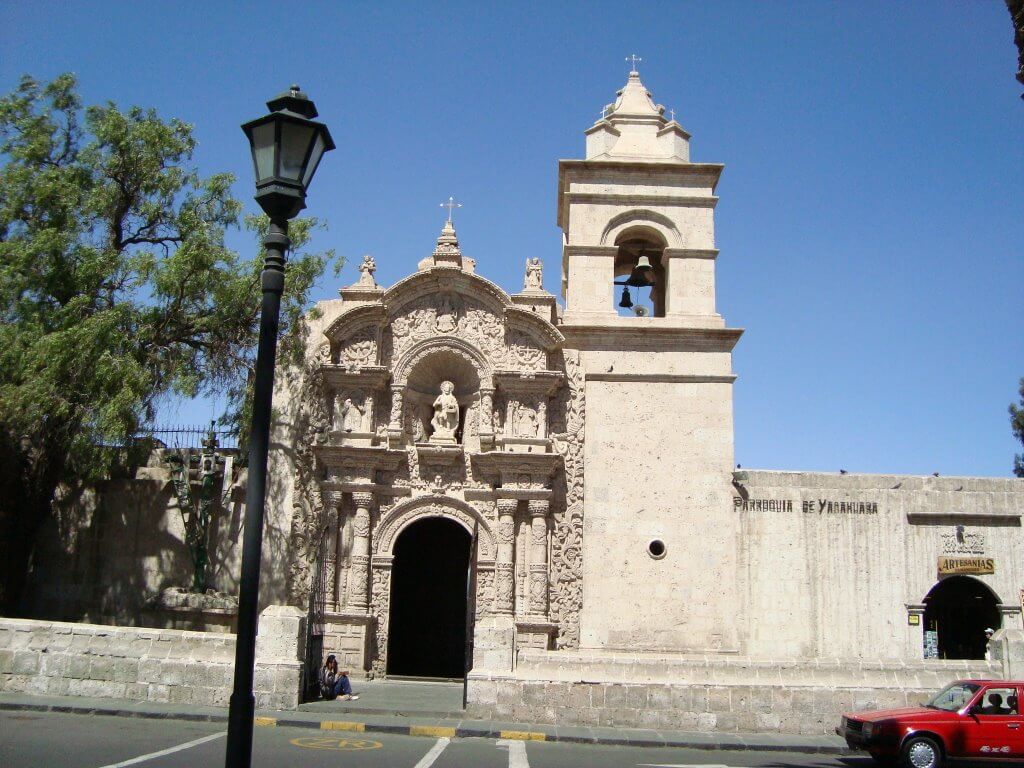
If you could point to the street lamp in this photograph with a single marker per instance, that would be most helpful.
(286, 148)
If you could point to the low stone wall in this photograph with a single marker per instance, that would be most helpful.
(704, 694)
(140, 664)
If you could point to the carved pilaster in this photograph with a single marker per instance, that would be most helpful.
(538, 587)
(397, 397)
(504, 576)
(333, 597)
(360, 559)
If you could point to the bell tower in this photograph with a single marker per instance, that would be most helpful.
(660, 535)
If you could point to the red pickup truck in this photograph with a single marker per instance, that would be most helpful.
(967, 720)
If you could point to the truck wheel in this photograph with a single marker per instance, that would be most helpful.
(921, 752)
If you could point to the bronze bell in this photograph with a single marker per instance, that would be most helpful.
(626, 301)
(641, 274)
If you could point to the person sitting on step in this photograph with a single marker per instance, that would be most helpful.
(334, 683)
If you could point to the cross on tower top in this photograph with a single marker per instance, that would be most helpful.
(451, 205)
(634, 59)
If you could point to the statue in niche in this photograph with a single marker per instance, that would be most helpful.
(446, 414)
(526, 422)
(351, 416)
(534, 275)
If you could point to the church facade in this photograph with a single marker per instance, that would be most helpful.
(547, 496)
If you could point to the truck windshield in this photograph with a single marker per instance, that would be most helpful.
(953, 697)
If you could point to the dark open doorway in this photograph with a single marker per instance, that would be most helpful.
(959, 609)
(427, 632)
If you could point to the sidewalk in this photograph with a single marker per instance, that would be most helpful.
(429, 709)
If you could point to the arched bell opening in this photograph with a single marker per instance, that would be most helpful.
(958, 610)
(441, 375)
(640, 273)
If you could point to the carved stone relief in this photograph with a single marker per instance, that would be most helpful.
(359, 349)
(567, 541)
(313, 423)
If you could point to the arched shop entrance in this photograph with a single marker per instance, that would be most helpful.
(427, 627)
(959, 610)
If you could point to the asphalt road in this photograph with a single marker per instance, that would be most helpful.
(40, 740)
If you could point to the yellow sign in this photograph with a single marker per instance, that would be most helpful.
(914, 619)
(340, 745)
(966, 565)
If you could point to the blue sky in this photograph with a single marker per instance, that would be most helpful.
(870, 214)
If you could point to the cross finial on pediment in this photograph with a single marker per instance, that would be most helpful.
(634, 60)
(451, 205)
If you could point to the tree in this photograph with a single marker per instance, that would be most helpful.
(1017, 425)
(116, 288)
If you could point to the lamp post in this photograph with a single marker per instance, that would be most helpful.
(286, 148)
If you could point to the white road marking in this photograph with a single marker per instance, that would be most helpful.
(435, 751)
(168, 751)
(516, 753)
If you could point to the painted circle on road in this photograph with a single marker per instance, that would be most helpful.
(331, 742)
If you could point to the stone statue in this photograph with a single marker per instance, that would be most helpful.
(534, 275)
(526, 422)
(366, 270)
(446, 414)
(352, 417)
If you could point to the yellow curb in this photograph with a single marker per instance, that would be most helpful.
(341, 725)
(524, 735)
(431, 730)
(265, 722)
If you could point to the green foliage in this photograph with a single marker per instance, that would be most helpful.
(1017, 425)
(116, 287)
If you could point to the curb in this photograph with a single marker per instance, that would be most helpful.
(434, 731)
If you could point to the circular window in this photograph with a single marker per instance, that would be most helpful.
(656, 549)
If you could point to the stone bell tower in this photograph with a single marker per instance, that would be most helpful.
(660, 536)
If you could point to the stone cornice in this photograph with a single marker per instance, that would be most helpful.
(691, 253)
(633, 200)
(662, 378)
(359, 457)
(373, 376)
(644, 335)
(508, 464)
(364, 314)
(545, 382)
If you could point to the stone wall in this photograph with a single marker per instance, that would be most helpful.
(833, 565)
(705, 693)
(139, 664)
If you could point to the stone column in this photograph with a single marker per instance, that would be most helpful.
(538, 590)
(542, 417)
(332, 549)
(504, 575)
(359, 574)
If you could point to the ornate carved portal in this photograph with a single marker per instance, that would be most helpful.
(441, 396)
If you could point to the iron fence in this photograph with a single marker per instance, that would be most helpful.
(187, 436)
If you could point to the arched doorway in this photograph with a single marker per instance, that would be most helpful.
(959, 610)
(427, 627)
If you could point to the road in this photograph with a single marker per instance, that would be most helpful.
(43, 739)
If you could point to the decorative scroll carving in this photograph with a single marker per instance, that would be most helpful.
(567, 542)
